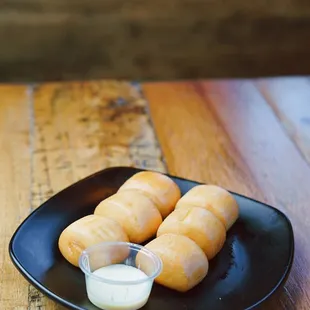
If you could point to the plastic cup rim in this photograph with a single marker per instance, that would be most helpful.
(155, 258)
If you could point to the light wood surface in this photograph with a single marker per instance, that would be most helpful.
(250, 136)
(53, 135)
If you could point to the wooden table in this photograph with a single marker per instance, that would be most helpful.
(250, 136)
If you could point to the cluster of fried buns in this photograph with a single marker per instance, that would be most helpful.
(189, 230)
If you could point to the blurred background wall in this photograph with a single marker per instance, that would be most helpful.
(161, 39)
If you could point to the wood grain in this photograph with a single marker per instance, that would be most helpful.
(279, 169)
(15, 166)
(244, 135)
(194, 144)
(225, 132)
(289, 98)
(53, 135)
(80, 128)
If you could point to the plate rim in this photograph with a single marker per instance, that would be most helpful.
(31, 280)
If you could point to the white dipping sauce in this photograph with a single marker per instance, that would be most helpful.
(118, 296)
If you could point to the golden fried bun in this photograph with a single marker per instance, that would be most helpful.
(198, 224)
(184, 263)
(88, 231)
(214, 199)
(134, 211)
(161, 189)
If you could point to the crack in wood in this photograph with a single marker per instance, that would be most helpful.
(35, 299)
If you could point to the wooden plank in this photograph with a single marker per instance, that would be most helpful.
(193, 142)
(53, 135)
(81, 128)
(15, 166)
(230, 125)
(271, 156)
(276, 164)
(290, 100)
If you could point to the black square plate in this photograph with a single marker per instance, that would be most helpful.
(254, 262)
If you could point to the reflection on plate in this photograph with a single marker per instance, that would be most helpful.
(254, 262)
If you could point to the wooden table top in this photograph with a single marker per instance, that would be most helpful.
(249, 136)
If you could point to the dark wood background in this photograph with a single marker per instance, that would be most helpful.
(159, 39)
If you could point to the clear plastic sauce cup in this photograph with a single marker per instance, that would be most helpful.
(119, 275)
